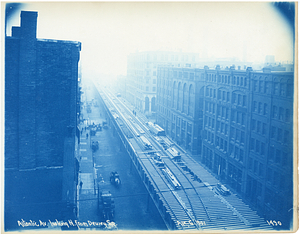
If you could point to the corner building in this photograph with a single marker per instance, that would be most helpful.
(240, 124)
(141, 86)
(41, 134)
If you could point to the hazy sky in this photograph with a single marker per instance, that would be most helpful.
(111, 31)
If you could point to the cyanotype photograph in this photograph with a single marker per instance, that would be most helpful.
(149, 116)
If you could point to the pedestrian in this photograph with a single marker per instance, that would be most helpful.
(87, 136)
(80, 184)
(85, 128)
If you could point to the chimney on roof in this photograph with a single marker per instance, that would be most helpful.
(28, 24)
(249, 69)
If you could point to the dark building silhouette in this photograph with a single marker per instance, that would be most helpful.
(240, 125)
(41, 113)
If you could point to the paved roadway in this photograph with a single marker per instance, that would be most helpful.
(132, 211)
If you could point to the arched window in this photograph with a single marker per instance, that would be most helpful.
(153, 107)
(179, 96)
(146, 104)
(191, 100)
(185, 99)
(174, 98)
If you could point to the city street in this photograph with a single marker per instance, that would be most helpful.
(131, 198)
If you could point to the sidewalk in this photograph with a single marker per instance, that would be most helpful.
(86, 193)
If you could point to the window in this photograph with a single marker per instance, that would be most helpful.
(262, 150)
(255, 85)
(233, 98)
(242, 137)
(254, 106)
(240, 99)
(257, 148)
(278, 156)
(241, 159)
(267, 87)
(272, 153)
(258, 126)
(276, 88)
(255, 167)
(147, 88)
(265, 109)
(219, 94)
(279, 135)
(282, 89)
(154, 81)
(286, 136)
(260, 170)
(244, 100)
(280, 113)
(260, 110)
(154, 89)
(253, 124)
(261, 86)
(273, 132)
(289, 90)
(250, 163)
(264, 129)
(274, 112)
(287, 115)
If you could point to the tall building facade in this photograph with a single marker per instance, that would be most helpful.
(243, 123)
(179, 94)
(41, 114)
(141, 86)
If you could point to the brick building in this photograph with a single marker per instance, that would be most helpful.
(241, 122)
(41, 114)
(142, 75)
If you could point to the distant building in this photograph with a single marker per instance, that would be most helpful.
(41, 114)
(240, 124)
(121, 85)
(142, 75)
(270, 60)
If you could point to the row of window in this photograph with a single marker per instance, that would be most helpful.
(278, 156)
(275, 178)
(224, 79)
(257, 146)
(209, 122)
(256, 167)
(153, 89)
(222, 128)
(280, 135)
(236, 152)
(210, 107)
(237, 135)
(259, 127)
(237, 99)
(223, 112)
(238, 117)
(280, 113)
(208, 136)
(221, 144)
(260, 108)
(153, 81)
(280, 89)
